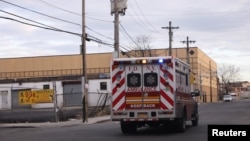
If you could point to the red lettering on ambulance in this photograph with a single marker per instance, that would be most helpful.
(132, 89)
(150, 68)
(144, 106)
(132, 68)
(149, 89)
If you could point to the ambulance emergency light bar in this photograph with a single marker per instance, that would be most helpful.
(143, 61)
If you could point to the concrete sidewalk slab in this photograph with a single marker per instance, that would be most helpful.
(70, 122)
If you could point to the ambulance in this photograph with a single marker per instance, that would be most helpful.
(152, 91)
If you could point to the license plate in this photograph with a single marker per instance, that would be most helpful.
(142, 115)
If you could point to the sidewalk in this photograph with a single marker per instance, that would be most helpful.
(70, 122)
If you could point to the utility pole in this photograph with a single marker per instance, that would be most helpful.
(84, 66)
(201, 83)
(210, 72)
(117, 7)
(116, 28)
(170, 36)
(55, 102)
(187, 42)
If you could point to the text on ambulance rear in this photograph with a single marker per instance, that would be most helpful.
(144, 86)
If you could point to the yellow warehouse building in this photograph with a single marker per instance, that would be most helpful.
(69, 67)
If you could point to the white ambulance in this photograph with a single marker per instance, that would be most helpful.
(152, 91)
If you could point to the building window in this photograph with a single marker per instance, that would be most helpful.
(103, 85)
(46, 86)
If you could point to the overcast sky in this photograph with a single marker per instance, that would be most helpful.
(220, 28)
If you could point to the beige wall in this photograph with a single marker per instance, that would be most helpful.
(52, 65)
(204, 70)
(40, 63)
(98, 60)
(94, 61)
(47, 66)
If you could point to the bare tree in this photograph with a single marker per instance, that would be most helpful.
(227, 73)
(142, 46)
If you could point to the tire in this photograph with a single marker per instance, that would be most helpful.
(195, 122)
(181, 123)
(128, 127)
(154, 125)
(195, 116)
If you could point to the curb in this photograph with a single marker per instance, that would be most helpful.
(72, 122)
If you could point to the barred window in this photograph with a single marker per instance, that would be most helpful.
(46, 86)
(103, 85)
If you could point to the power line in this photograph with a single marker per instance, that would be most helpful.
(99, 40)
(128, 35)
(68, 11)
(98, 19)
(56, 7)
(40, 13)
(99, 33)
(141, 19)
(180, 35)
(145, 17)
(44, 26)
(53, 29)
(137, 20)
(108, 38)
(27, 19)
(71, 12)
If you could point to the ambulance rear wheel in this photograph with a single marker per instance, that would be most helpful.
(195, 122)
(195, 116)
(181, 123)
(128, 127)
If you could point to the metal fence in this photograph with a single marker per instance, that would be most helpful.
(51, 73)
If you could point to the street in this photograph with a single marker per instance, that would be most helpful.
(224, 113)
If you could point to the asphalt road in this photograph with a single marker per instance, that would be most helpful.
(215, 113)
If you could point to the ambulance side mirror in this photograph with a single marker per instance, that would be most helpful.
(196, 92)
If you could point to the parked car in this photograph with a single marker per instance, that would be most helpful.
(234, 96)
(227, 98)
